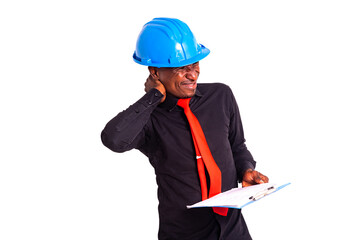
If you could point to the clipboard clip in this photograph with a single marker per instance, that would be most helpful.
(263, 193)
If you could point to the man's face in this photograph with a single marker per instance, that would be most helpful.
(181, 82)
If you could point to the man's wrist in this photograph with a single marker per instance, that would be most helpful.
(243, 172)
(161, 89)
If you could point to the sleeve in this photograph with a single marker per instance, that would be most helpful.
(127, 130)
(242, 157)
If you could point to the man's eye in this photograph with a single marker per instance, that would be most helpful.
(179, 69)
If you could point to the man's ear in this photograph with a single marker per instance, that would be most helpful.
(154, 73)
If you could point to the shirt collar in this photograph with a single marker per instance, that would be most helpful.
(170, 103)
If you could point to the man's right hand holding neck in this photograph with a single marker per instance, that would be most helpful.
(155, 83)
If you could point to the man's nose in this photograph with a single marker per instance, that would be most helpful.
(192, 74)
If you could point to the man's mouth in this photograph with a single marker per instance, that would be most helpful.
(191, 85)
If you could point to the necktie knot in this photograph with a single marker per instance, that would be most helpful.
(184, 103)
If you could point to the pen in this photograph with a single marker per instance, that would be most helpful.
(263, 193)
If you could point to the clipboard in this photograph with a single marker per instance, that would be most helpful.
(240, 197)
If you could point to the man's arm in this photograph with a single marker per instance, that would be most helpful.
(126, 131)
(244, 161)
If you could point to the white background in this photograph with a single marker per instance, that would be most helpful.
(66, 69)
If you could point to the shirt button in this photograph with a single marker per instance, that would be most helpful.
(149, 102)
(136, 110)
(157, 94)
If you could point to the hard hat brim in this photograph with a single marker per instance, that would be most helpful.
(202, 54)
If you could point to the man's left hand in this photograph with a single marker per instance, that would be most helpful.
(253, 177)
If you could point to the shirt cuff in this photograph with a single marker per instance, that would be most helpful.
(151, 99)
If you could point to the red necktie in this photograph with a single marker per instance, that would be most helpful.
(204, 158)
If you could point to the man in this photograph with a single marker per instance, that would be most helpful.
(188, 168)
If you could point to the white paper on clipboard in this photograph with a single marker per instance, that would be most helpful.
(240, 197)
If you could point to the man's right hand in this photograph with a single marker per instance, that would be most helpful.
(153, 83)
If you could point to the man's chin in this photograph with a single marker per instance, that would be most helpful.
(189, 95)
(185, 94)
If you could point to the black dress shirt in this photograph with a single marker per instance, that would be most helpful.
(162, 133)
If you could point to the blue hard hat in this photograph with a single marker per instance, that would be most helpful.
(167, 42)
